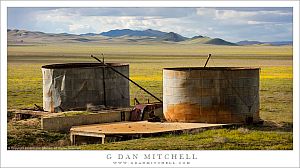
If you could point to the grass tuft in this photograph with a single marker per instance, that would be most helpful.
(146, 63)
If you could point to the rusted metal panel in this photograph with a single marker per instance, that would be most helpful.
(141, 111)
(211, 95)
(75, 85)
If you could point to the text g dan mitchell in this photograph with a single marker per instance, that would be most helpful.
(167, 156)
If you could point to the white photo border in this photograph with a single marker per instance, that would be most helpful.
(101, 158)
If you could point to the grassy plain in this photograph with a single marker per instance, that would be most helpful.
(146, 63)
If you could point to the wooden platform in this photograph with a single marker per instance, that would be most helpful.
(137, 128)
(25, 114)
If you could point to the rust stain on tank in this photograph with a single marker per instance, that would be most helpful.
(211, 95)
(193, 113)
(183, 112)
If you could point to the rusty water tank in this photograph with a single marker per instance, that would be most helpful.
(75, 85)
(211, 95)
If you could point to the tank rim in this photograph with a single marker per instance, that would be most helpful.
(211, 68)
(81, 65)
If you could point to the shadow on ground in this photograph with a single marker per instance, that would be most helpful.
(271, 126)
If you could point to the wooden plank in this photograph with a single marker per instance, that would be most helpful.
(138, 128)
(37, 113)
(142, 127)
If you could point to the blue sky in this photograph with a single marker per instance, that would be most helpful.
(233, 24)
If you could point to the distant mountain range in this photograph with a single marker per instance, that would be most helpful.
(275, 43)
(129, 32)
(123, 36)
(172, 37)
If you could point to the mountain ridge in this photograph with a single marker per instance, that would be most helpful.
(273, 43)
(129, 32)
(171, 36)
(125, 36)
(218, 41)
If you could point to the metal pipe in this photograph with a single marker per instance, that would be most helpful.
(104, 88)
(103, 83)
(127, 78)
(209, 55)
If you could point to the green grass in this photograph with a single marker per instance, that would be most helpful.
(146, 64)
(148, 50)
(25, 85)
(27, 133)
(70, 113)
(276, 96)
(219, 139)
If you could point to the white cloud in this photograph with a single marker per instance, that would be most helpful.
(229, 23)
(251, 22)
(207, 12)
(231, 14)
(234, 16)
(78, 27)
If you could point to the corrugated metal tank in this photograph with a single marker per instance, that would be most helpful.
(211, 95)
(74, 85)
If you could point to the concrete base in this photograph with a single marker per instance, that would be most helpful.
(25, 114)
(65, 123)
(137, 128)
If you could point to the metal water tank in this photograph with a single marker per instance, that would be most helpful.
(211, 95)
(75, 85)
